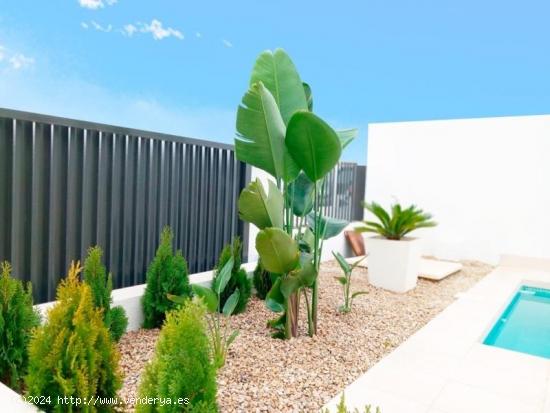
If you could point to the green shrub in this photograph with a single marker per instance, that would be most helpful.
(239, 278)
(72, 354)
(17, 319)
(167, 274)
(101, 284)
(262, 281)
(182, 366)
(396, 223)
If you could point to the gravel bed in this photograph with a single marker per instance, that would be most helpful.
(300, 375)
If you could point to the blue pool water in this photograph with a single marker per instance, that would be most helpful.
(525, 324)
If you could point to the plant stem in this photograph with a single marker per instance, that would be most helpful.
(312, 328)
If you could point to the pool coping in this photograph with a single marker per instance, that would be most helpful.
(445, 368)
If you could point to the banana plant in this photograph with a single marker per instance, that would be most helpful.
(278, 133)
(218, 319)
(346, 281)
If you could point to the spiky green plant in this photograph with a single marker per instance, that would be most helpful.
(17, 320)
(181, 367)
(397, 222)
(72, 354)
(167, 274)
(239, 278)
(101, 284)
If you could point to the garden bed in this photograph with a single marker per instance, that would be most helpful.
(301, 375)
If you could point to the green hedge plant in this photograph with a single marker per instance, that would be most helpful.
(17, 320)
(181, 366)
(72, 353)
(239, 277)
(101, 284)
(262, 280)
(397, 222)
(167, 274)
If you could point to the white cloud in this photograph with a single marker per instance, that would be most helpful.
(20, 61)
(1, 53)
(95, 4)
(129, 30)
(198, 34)
(101, 28)
(158, 31)
(227, 43)
(84, 25)
(91, 4)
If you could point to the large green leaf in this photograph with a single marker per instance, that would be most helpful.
(223, 277)
(328, 227)
(260, 131)
(274, 299)
(301, 277)
(231, 303)
(260, 209)
(313, 144)
(342, 262)
(208, 296)
(300, 195)
(278, 250)
(278, 73)
(346, 136)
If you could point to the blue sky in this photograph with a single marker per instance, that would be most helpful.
(181, 67)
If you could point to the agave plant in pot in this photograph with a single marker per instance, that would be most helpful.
(394, 257)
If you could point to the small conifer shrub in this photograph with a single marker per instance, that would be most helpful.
(262, 281)
(72, 353)
(167, 274)
(182, 366)
(239, 278)
(101, 284)
(17, 320)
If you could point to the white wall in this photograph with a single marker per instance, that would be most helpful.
(487, 182)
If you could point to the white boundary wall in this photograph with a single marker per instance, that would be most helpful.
(487, 182)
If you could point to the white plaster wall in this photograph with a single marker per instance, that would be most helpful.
(487, 182)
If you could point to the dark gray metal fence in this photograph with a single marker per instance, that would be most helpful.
(66, 185)
(344, 191)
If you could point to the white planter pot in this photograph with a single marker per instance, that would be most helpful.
(393, 265)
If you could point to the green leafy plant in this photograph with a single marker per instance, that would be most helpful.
(72, 354)
(181, 367)
(262, 280)
(278, 133)
(343, 408)
(219, 317)
(167, 274)
(239, 277)
(17, 320)
(397, 222)
(345, 280)
(101, 284)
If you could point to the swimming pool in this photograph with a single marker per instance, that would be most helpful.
(524, 325)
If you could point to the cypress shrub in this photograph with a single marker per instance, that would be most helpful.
(17, 320)
(239, 278)
(262, 281)
(72, 354)
(167, 274)
(101, 284)
(182, 366)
